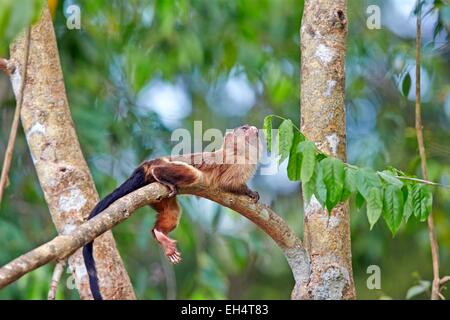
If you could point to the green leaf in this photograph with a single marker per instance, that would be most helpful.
(422, 201)
(285, 139)
(423, 287)
(408, 195)
(333, 176)
(309, 188)
(388, 177)
(320, 187)
(267, 129)
(359, 200)
(366, 179)
(393, 208)
(308, 150)
(374, 206)
(15, 16)
(294, 167)
(406, 85)
(349, 183)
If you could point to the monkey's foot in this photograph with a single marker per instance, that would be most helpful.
(172, 190)
(169, 246)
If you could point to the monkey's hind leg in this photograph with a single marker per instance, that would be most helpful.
(174, 175)
(167, 220)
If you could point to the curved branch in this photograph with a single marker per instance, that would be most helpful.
(272, 224)
(63, 246)
(16, 120)
(444, 280)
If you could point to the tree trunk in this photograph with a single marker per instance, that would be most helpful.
(62, 171)
(327, 239)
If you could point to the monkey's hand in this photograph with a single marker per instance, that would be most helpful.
(253, 195)
(242, 190)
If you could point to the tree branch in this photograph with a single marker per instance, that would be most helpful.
(322, 77)
(15, 124)
(63, 246)
(61, 168)
(444, 280)
(423, 155)
(57, 273)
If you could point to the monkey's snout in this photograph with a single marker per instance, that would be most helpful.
(253, 129)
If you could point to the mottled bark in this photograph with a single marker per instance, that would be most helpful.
(62, 171)
(327, 240)
(64, 245)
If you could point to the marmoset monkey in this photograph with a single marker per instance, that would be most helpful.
(227, 169)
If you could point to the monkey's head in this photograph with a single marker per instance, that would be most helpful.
(244, 144)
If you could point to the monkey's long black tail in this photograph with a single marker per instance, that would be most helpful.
(134, 182)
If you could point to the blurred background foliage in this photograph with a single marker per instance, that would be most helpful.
(138, 69)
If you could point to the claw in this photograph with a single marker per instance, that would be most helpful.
(173, 191)
(175, 258)
(172, 194)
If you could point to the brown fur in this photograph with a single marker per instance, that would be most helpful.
(228, 169)
(168, 214)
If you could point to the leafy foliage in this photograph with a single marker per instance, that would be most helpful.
(15, 15)
(332, 181)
